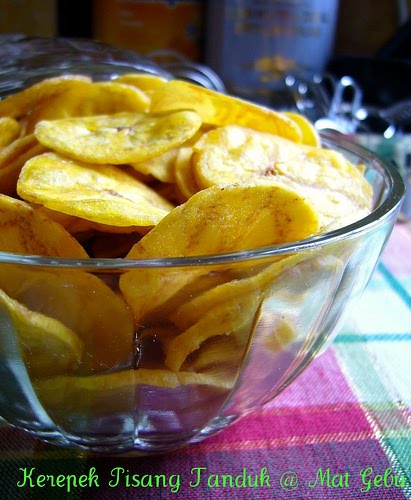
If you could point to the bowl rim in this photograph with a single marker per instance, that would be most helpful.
(383, 212)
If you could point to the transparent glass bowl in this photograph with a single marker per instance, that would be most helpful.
(228, 334)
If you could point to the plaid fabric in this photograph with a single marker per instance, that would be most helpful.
(341, 430)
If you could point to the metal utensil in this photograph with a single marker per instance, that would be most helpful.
(345, 105)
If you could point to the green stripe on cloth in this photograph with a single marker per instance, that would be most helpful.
(395, 284)
(345, 338)
(374, 390)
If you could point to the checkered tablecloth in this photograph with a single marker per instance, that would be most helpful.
(341, 430)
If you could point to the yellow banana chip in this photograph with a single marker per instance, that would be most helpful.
(48, 347)
(9, 130)
(119, 138)
(114, 392)
(24, 230)
(219, 109)
(334, 187)
(92, 98)
(12, 159)
(77, 225)
(144, 81)
(161, 167)
(266, 214)
(251, 177)
(234, 154)
(83, 304)
(19, 104)
(100, 193)
(309, 134)
(190, 312)
(220, 356)
(232, 316)
(183, 173)
(207, 224)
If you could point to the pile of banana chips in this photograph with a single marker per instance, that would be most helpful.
(143, 168)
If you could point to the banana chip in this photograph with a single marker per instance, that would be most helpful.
(119, 138)
(266, 215)
(114, 392)
(208, 224)
(26, 231)
(183, 173)
(334, 187)
(188, 313)
(83, 304)
(143, 81)
(233, 154)
(123, 154)
(99, 193)
(232, 316)
(309, 134)
(219, 109)
(19, 104)
(48, 347)
(78, 226)
(161, 167)
(9, 130)
(219, 356)
(12, 159)
(97, 98)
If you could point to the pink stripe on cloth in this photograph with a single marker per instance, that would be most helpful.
(397, 254)
(321, 383)
(213, 446)
(318, 421)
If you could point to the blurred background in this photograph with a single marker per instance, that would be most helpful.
(345, 64)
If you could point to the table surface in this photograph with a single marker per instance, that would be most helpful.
(341, 430)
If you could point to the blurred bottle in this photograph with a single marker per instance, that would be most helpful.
(364, 27)
(28, 17)
(252, 44)
(148, 26)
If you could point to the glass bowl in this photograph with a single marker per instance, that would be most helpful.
(223, 336)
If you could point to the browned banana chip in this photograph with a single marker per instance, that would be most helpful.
(26, 231)
(48, 347)
(99, 193)
(9, 131)
(21, 103)
(219, 109)
(120, 138)
(12, 159)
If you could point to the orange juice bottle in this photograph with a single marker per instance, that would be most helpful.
(148, 26)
